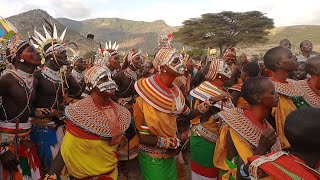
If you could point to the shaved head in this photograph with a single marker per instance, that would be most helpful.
(280, 58)
(302, 130)
(285, 43)
(313, 65)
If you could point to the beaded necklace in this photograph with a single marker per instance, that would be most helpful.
(51, 75)
(78, 76)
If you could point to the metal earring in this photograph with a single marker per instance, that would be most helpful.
(22, 60)
(219, 77)
(164, 70)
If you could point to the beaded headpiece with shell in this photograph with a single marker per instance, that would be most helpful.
(49, 43)
(75, 53)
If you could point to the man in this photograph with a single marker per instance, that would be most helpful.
(109, 57)
(76, 78)
(300, 73)
(17, 96)
(281, 61)
(47, 132)
(125, 79)
(285, 43)
(200, 76)
(306, 48)
(301, 162)
(230, 58)
(243, 60)
(94, 128)
(310, 88)
(184, 81)
(248, 71)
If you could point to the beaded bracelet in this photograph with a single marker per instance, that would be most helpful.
(4, 149)
(243, 173)
(161, 142)
(186, 112)
(51, 177)
(202, 108)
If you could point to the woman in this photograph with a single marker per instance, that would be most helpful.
(94, 129)
(205, 128)
(245, 131)
(155, 114)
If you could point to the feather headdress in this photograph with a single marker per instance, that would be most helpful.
(50, 41)
(104, 53)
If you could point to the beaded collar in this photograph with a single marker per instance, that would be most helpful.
(311, 97)
(206, 90)
(131, 74)
(78, 76)
(236, 87)
(25, 77)
(155, 93)
(51, 75)
(236, 119)
(90, 118)
(288, 89)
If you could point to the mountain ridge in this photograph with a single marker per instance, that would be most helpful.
(141, 34)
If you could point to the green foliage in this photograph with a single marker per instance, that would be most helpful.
(225, 29)
(196, 53)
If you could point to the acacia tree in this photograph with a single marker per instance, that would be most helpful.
(225, 29)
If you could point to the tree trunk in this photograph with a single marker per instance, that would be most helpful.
(221, 51)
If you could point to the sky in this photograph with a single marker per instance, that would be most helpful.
(173, 12)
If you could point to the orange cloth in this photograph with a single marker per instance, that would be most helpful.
(159, 123)
(280, 113)
(210, 125)
(220, 155)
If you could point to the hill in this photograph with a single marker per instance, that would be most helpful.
(137, 34)
(27, 21)
(143, 35)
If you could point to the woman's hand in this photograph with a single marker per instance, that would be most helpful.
(267, 139)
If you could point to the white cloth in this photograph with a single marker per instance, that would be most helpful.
(301, 58)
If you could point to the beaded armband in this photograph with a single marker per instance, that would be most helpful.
(42, 112)
(144, 130)
(168, 143)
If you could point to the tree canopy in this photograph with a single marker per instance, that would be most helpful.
(225, 29)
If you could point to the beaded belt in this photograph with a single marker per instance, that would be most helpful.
(203, 132)
(42, 123)
(155, 152)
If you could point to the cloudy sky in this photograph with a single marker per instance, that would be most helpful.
(284, 12)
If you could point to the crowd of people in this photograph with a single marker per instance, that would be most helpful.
(66, 117)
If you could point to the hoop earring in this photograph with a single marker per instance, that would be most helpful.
(22, 60)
